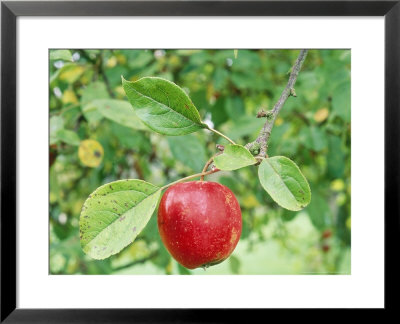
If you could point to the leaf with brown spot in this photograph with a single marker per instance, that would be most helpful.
(112, 211)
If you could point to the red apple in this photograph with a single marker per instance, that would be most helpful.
(200, 223)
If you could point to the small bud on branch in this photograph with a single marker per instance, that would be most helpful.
(220, 147)
(265, 132)
(261, 113)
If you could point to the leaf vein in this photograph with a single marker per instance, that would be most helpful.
(169, 108)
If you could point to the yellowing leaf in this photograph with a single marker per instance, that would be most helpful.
(112, 61)
(121, 58)
(250, 201)
(341, 199)
(348, 223)
(210, 91)
(52, 198)
(120, 91)
(69, 97)
(174, 60)
(90, 153)
(235, 53)
(278, 121)
(77, 206)
(337, 185)
(321, 115)
(71, 72)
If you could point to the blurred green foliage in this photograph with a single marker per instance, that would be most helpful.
(312, 129)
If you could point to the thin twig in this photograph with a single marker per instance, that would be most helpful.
(265, 132)
(220, 134)
(103, 74)
(209, 162)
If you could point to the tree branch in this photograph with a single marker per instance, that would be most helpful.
(261, 141)
(104, 75)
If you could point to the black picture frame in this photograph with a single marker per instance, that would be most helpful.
(10, 10)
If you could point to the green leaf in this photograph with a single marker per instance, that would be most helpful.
(139, 58)
(220, 78)
(114, 214)
(218, 114)
(319, 211)
(244, 126)
(314, 138)
(234, 107)
(118, 111)
(234, 157)
(68, 136)
(336, 157)
(341, 100)
(284, 182)
(64, 55)
(189, 150)
(56, 123)
(289, 215)
(130, 138)
(163, 106)
(94, 91)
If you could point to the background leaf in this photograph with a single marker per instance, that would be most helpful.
(94, 91)
(70, 72)
(115, 214)
(56, 124)
(119, 111)
(68, 136)
(64, 55)
(319, 211)
(163, 106)
(189, 150)
(234, 157)
(284, 182)
(341, 100)
(90, 153)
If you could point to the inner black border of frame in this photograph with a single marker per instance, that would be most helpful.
(10, 10)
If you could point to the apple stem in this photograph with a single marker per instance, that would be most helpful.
(206, 167)
(220, 134)
(202, 174)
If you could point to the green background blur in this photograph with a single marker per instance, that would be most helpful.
(228, 88)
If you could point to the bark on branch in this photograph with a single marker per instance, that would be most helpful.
(261, 142)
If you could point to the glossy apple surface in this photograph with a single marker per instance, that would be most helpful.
(200, 223)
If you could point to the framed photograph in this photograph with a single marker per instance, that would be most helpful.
(187, 161)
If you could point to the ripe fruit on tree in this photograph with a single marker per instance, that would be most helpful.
(200, 223)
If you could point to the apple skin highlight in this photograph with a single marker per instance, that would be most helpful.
(200, 223)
